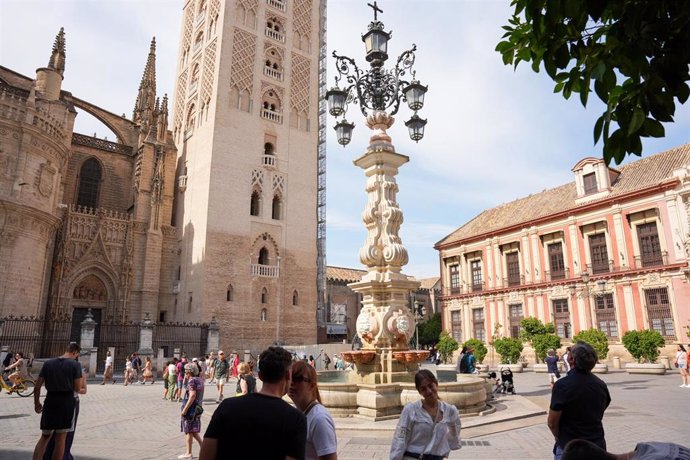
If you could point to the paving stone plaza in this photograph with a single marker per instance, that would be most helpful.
(118, 422)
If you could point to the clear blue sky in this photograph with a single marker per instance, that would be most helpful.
(494, 134)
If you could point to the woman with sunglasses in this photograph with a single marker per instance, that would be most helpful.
(304, 392)
(428, 429)
(192, 407)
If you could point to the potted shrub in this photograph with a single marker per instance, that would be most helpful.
(541, 344)
(480, 352)
(509, 350)
(445, 346)
(644, 347)
(598, 340)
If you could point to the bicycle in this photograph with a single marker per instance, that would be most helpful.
(24, 388)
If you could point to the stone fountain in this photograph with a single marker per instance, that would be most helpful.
(383, 377)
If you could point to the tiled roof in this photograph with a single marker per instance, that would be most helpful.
(428, 283)
(349, 275)
(637, 175)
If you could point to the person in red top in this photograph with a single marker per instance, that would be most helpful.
(235, 363)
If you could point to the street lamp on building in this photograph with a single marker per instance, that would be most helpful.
(376, 89)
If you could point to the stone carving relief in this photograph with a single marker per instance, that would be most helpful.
(513, 296)
(90, 288)
(477, 300)
(558, 291)
(652, 279)
(45, 179)
(300, 88)
(243, 54)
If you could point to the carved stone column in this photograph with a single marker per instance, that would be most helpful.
(89, 356)
(213, 340)
(385, 322)
(146, 338)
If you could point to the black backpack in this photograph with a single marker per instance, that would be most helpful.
(463, 364)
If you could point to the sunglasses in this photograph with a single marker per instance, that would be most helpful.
(300, 379)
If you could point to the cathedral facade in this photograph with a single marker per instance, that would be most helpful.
(209, 212)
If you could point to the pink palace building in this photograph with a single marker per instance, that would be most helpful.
(609, 250)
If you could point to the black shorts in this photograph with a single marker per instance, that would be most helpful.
(58, 412)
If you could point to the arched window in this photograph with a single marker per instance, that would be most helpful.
(264, 296)
(264, 314)
(268, 149)
(275, 208)
(230, 294)
(89, 183)
(263, 256)
(191, 118)
(255, 205)
(295, 298)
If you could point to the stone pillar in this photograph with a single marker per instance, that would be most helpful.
(89, 356)
(213, 340)
(247, 356)
(160, 362)
(146, 338)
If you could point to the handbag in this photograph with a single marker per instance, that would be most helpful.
(676, 364)
(194, 412)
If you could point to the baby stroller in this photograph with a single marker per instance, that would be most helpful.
(507, 381)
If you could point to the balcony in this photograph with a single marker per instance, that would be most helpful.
(176, 287)
(182, 183)
(268, 161)
(274, 116)
(516, 280)
(267, 271)
(479, 287)
(277, 4)
(273, 73)
(555, 275)
(651, 260)
(275, 35)
(600, 267)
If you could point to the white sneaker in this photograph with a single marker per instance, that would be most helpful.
(686, 386)
(682, 385)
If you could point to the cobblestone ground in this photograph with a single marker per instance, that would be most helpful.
(118, 422)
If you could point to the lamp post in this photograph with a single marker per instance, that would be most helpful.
(385, 321)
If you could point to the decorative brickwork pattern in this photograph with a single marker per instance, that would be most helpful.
(301, 19)
(278, 184)
(214, 9)
(209, 71)
(179, 100)
(248, 5)
(188, 27)
(299, 89)
(243, 55)
(257, 178)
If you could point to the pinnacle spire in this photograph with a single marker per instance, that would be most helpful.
(57, 58)
(147, 89)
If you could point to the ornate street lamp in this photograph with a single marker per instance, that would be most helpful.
(376, 89)
(386, 322)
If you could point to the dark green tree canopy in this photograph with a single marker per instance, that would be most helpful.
(636, 52)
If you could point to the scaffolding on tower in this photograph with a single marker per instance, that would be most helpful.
(321, 178)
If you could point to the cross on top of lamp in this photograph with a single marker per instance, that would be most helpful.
(376, 89)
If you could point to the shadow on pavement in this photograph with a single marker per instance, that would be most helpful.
(24, 455)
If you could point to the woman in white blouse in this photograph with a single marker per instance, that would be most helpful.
(428, 429)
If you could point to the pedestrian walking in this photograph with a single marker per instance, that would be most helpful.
(235, 364)
(18, 369)
(148, 372)
(326, 360)
(221, 373)
(69, 440)
(259, 425)
(62, 377)
(428, 429)
(108, 372)
(172, 379)
(578, 403)
(682, 365)
(180, 377)
(136, 367)
(128, 370)
(551, 361)
(304, 392)
(566, 360)
(192, 407)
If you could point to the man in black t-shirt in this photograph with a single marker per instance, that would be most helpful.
(260, 419)
(578, 402)
(62, 377)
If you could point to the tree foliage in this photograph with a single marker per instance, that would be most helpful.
(446, 346)
(597, 339)
(635, 52)
(430, 330)
(643, 345)
(544, 342)
(509, 349)
(531, 327)
(479, 348)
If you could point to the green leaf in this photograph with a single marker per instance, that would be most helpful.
(653, 128)
(598, 126)
(636, 120)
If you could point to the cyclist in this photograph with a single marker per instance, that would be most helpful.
(18, 369)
